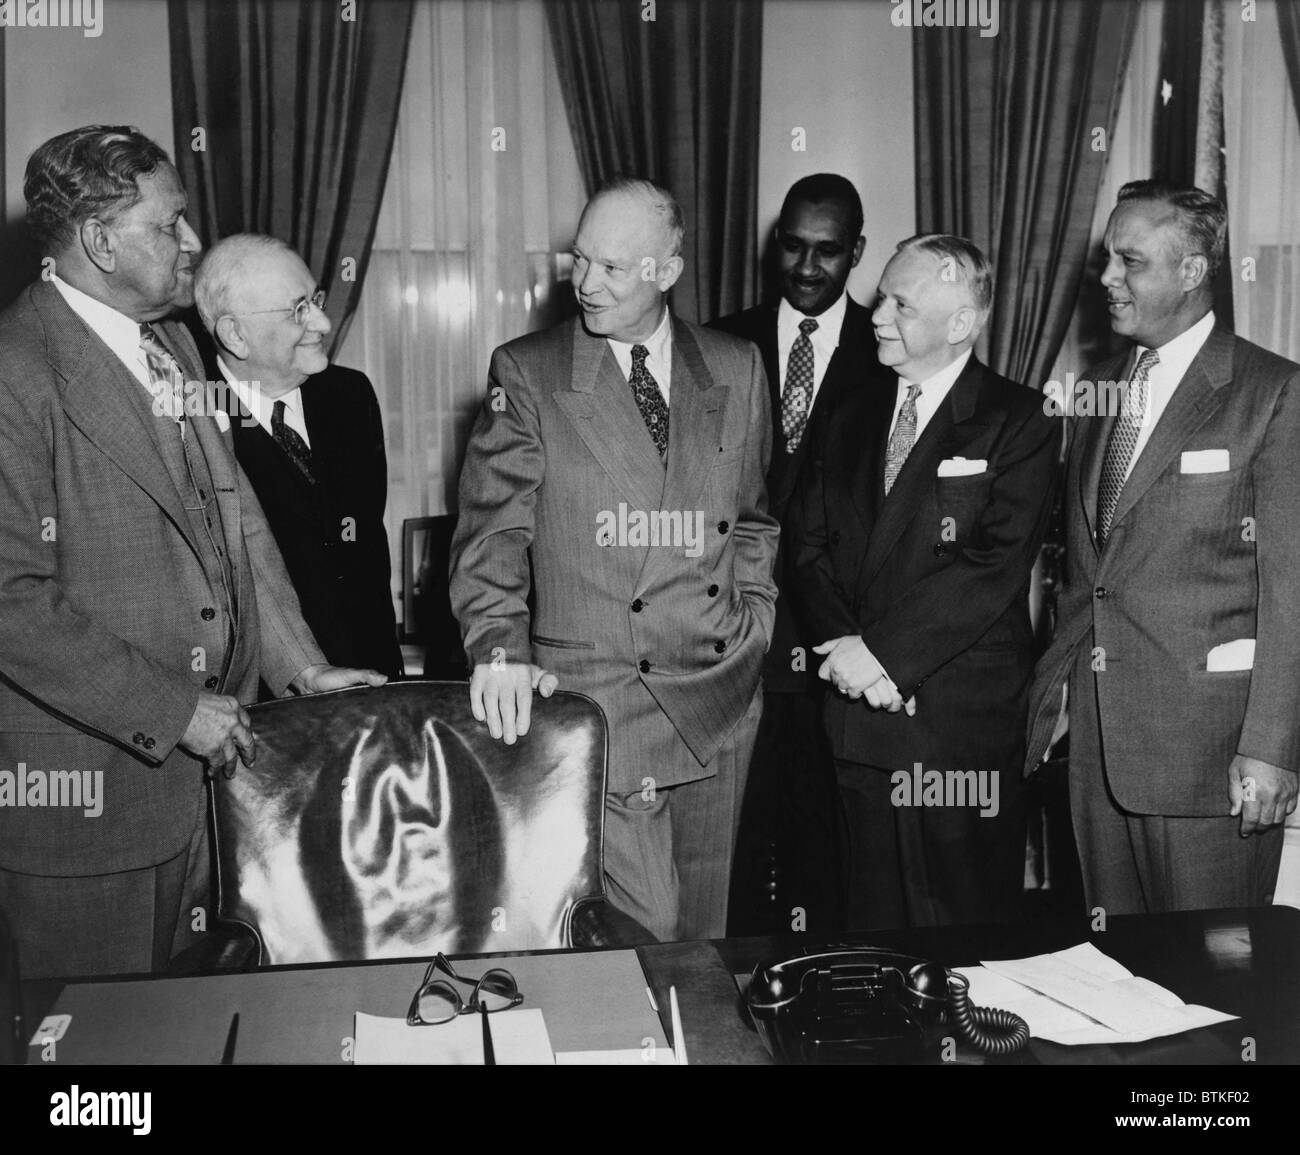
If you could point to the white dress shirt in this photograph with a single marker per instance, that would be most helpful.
(261, 407)
(933, 390)
(825, 339)
(659, 359)
(116, 330)
(1175, 358)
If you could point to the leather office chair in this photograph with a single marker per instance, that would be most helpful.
(382, 823)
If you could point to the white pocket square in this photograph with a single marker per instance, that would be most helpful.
(223, 420)
(962, 466)
(1238, 655)
(1205, 461)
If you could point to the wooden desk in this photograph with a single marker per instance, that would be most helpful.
(1244, 962)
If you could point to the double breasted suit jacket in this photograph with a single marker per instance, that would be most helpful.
(668, 638)
(331, 533)
(854, 366)
(1193, 560)
(110, 625)
(935, 576)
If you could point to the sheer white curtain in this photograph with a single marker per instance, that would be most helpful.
(480, 208)
(1262, 138)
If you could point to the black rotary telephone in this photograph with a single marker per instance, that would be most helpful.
(862, 1005)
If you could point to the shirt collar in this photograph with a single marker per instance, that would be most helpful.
(829, 323)
(255, 401)
(117, 329)
(658, 344)
(940, 382)
(1176, 355)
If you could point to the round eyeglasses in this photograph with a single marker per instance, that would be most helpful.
(437, 1001)
(300, 309)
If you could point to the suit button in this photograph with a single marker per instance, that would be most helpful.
(940, 550)
(149, 743)
(207, 613)
(718, 647)
(138, 738)
(638, 606)
(723, 527)
(713, 591)
(643, 666)
(1101, 593)
(210, 683)
(835, 537)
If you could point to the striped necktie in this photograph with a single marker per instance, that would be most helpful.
(902, 439)
(1122, 443)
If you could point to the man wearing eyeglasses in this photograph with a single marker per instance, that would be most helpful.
(143, 596)
(310, 438)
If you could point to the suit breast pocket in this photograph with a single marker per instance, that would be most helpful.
(960, 502)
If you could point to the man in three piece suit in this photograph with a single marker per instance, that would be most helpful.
(818, 347)
(621, 457)
(309, 436)
(914, 532)
(143, 593)
(1177, 625)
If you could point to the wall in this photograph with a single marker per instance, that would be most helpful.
(841, 71)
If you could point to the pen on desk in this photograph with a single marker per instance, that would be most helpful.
(228, 1055)
(489, 1054)
(679, 1036)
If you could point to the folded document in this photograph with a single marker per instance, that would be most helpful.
(1080, 996)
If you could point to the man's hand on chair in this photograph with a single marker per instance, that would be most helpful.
(501, 694)
(318, 679)
(219, 730)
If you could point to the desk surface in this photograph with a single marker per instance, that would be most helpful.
(1243, 962)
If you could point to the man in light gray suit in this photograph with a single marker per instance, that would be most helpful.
(623, 455)
(143, 593)
(1178, 630)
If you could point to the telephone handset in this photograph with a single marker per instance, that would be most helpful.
(858, 1004)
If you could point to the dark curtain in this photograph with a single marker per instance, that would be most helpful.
(674, 99)
(1006, 155)
(298, 106)
(1188, 138)
(1288, 17)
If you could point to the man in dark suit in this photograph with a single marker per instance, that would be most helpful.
(310, 438)
(818, 348)
(143, 593)
(618, 461)
(1177, 627)
(915, 529)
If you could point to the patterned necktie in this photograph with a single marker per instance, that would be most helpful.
(1122, 443)
(796, 400)
(288, 440)
(166, 378)
(902, 439)
(654, 409)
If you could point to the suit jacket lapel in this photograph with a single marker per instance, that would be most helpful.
(603, 411)
(1197, 397)
(106, 402)
(901, 505)
(694, 419)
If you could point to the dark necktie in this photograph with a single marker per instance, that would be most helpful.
(654, 409)
(166, 378)
(1122, 443)
(288, 440)
(903, 437)
(796, 400)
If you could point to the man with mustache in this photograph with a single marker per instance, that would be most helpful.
(818, 349)
(143, 593)
(310, 438)
(1177, 624)
(628, 406)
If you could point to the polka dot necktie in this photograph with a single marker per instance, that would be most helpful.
(1122, 443)
(796, 399)
(654, 409)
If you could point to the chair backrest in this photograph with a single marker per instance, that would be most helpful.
(382, 823)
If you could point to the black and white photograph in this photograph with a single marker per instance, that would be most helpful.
(650, 533)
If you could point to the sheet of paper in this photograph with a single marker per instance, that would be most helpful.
(519, 1038)
(1080, 996)
(650, 1057)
